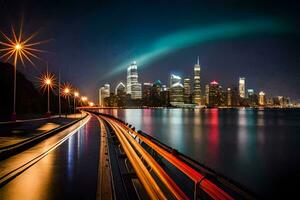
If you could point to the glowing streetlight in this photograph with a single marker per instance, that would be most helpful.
(83, 99)
(66, 92)
(91, 104)
(47, 83)
(19, 48)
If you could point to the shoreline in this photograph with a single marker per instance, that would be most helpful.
(206, 108)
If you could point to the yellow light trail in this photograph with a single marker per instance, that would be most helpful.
(147, 180)
(159, 171)
(210, 188)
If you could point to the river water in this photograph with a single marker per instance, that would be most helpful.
(260, 149)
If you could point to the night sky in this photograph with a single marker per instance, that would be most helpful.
(93, 41)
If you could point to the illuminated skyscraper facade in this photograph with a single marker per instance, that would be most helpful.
(176, 94)
(103, 93)
(136, 91)
(242, 87)
(147, 87)
(206, 94)
(120, 89)
(229, 97)
(176, 90)
(215, 94)
(197, 87)
(262, 98)
(134, 88)
(174, 79)
(187, 90)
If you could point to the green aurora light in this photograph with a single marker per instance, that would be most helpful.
(192, 37)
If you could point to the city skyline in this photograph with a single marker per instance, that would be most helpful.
(108, 34)
(181, 92)
(159, 99)
(190, 73)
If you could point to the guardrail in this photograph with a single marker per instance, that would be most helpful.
(136, 154)
(187, 166)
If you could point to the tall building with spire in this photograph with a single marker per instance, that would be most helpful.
(134, 88)
(197, 87)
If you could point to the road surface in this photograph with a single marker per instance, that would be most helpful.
(69, 171)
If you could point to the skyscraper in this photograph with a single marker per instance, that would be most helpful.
(262, 98)
(120, 95)
(133, 87)
(215, 97)
(136, 91)
(250, 92)
(206, 94)
(174, 79)
(103, 93)
(147, 90)
(229, 97)
(281, 101)
(197, 87)
(176, 90)
(120, 89)
(100, 100)
(242, 87)
(187, 90)
(252, 98)
(176, 94)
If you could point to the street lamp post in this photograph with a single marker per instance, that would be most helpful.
(48, 83)
(67, 92)
(76, 94)
(19, 48)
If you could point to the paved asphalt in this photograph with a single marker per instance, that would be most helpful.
(17, 132)
(68, 172)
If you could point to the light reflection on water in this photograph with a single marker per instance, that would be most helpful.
(70, 157)
(243, 144)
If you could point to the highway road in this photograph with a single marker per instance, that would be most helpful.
(64, 166)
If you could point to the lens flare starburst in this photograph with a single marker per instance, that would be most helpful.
(66, 90)
(47, 80)
(19, 47)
